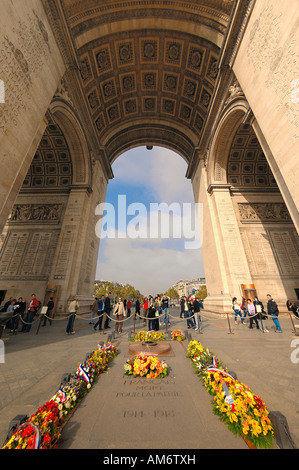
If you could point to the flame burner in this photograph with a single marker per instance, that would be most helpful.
(150, 347)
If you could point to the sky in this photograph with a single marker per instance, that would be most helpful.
(148, 246)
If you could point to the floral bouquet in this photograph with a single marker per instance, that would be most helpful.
(148, 336)
(27, 436)
(236, 405)
(202, 358)
(42, 430)
(243, 412)
(107, 351)
(144, 365)
(177, 335)
(47, 420)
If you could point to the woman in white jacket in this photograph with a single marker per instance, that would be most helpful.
(120, 313)
(73, 307)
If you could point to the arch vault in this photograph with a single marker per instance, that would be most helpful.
(86, 80)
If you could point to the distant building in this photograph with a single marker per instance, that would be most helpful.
(189, 287)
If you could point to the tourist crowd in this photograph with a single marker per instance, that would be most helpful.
(154, 310)
(255, 312)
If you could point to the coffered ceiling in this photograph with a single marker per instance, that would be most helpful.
(148, 68)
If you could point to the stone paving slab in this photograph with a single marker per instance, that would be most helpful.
(122, 412)
(34, 365)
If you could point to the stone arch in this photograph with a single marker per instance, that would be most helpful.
(229, 122)
(149, 135)
(70, 125)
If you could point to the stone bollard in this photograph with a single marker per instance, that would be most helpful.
(281, 430)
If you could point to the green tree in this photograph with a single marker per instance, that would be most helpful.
(201, 292)
(172, 293)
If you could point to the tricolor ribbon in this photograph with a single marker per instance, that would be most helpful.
(61, 395)
(103, 348)
(36, 433)
(83, 372)
(214, 361)
(215, 369)
(228, 398)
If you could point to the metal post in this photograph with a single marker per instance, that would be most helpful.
(262, 326)
(230, 331)
(134, 321)
(294, 328)
(104, 320)
(40, 320)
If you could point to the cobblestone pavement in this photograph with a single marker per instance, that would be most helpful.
(34, 363)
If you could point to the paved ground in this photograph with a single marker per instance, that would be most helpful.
(34, 363)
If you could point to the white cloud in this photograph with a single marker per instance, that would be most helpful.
(150, 268)
(162, 170)
(151, 264)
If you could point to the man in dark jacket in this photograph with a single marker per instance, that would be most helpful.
(101, 307)
(196, 309)
(48, 315)
(273, 311)
(182, 304)
(137, 308)
(107, 310)
(165, 307)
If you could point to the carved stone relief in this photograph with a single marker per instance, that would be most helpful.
(36, 213)
(263, 212)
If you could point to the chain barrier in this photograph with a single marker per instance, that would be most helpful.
(135, 315)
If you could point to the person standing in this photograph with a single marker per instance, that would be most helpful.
(244, 308)
(196, 311)
(137, 308)
(145, 309)
(273, 311)
(187, 313)
(182, 303)
(151, 315)
(237, 310)
(28, 320)
(7, 304)
(158, 311)
(100, 312)
(48, 315)
(107, 310)
(120, 312)
(252, 314)
(259, 308)
(94, 311)
(165, 309)
(73, 307)
(11, 309)
(19, 311)
(129, 306)
(292, 308)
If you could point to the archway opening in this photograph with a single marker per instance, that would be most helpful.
(155, 243)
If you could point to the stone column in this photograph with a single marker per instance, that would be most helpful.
(75, 262)
(31, 68)
(266, 66)
(225, 262)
